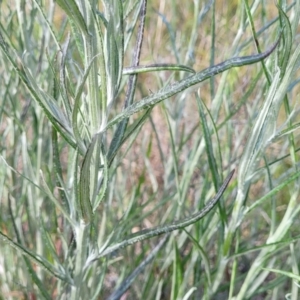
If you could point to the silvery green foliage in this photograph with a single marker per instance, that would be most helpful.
(87, 100)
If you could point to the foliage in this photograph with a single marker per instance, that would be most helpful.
(110, 164)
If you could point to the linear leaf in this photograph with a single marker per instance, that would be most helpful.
(288, 274)
(71, 9)
(208, 143)
(48, 23)
(148, 233)
(119, 133)
(114, 47)
(213, 166)
(58, 171)
(156, 68)
(274, 191)
(29, 266)
(203, 255)
(181, 85)
(76, 108)
(41, 261)
(287, 38)
(132, 128)
(178, 272)
(284, 132)
(130, 279)
(85, 206)
(48, 104)
(63, 81)
(257, 138)
(48, 192)
(103, 183)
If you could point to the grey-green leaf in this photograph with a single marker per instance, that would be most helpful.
(148, 233)
(181, 85)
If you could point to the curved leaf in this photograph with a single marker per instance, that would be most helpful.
(148, 233)
(181, 85)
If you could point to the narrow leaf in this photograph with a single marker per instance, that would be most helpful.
(178, 273)
(148, 233)
(29, 266)
(287, 38)
(288, 274)
(71, 9)
(85, 206)
(130, 279)
(48, 104)
(156, 68)
(203, 255)
(103, 183)
(48, 192)
(76, 109)
(274, 191)
(181, 85)
(208, 144)
(35, 258)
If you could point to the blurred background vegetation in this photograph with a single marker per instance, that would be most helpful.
(169, 167)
